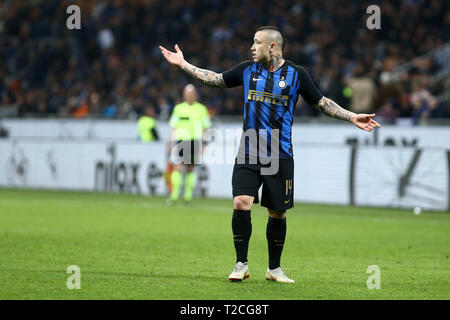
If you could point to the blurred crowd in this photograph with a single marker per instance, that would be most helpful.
(112, 67)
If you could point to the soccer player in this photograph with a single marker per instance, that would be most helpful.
(271, 88)
(189, 120)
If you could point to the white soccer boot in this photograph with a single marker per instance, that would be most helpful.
(240, 272)
(277, 275)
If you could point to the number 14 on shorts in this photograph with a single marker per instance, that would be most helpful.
(288, 190)
(288, 186)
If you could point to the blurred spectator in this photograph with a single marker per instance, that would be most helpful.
(363, 91)
(388, 112)
(422, 102)
(405, 110)
(231, 108)
(165, 109)
(110, 111)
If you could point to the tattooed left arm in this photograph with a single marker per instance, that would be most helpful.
(332, 109)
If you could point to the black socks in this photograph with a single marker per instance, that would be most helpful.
(242, 230)
(275, 233)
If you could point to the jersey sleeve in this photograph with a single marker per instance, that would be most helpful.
(308, 90)
(233, 77)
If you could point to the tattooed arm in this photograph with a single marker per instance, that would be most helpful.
(207, 77)
(312, 95)
(332, 109)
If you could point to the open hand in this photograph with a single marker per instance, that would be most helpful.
(175, 58)
(364, 121)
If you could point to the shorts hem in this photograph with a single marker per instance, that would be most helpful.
(245, 192)
(269, 206)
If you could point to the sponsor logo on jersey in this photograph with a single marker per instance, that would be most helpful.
(267, 97)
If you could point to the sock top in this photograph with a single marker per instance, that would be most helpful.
(241, 211)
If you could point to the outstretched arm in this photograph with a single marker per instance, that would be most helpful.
(363, 121)
(207, 77)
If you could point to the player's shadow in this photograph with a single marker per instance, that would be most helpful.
(183, 276)
(146, 275)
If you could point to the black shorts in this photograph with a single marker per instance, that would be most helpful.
(278, 189)
(189, 151)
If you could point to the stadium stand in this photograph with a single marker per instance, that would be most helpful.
(112, 66)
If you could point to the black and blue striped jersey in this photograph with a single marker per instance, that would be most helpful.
(270, 98)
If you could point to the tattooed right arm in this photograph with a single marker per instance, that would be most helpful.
(210, 78)
(207, 77)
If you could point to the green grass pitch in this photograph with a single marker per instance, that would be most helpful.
(135, 247)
